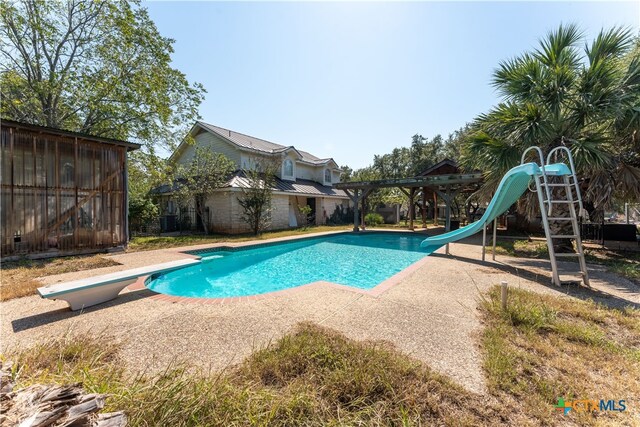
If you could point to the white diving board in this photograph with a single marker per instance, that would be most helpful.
(95, 290)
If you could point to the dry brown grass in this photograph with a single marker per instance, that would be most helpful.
(18, 278)
(539, 349)
(543, 348)
(311, 377)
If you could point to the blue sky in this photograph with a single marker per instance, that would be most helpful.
(350, 80)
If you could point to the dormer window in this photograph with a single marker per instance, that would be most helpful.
(288, 168)
(327, 176)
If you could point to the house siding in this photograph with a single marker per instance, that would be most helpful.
(225, 210)
(308, 172)
(213, 142)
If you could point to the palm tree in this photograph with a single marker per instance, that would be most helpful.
(585, 97)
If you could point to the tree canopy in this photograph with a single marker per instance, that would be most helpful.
(406, 161)
(99, 67)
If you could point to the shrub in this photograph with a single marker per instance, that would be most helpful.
(373, 219)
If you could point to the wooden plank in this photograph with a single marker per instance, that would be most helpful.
(45, 166)
(424, 207)
(125, 198)
(94, 224)
(356, 218)
(12, 197)
(76, 179)
(36, 234)
(70, 212)
(433, 180)
(58, 198)
(412, 193)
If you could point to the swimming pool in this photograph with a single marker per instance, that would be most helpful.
(358, 260)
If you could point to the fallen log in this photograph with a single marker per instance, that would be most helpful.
(42, 405)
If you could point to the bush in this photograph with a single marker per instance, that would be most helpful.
(373, 219)
(142, 209)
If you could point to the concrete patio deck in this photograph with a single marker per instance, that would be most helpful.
(431, 314)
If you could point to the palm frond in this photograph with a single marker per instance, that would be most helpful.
(558, 47)
(518, 78)
(611, 43)
(627, 179)
(590, 153)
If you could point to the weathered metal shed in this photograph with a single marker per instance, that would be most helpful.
(62, 192)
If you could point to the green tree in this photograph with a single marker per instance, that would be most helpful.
(197, 180)
(567, 92)
(99, 67)
(257, 194)
(305, 211)
(587, 100)
(345, 173)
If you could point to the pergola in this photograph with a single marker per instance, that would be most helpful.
(431, 183)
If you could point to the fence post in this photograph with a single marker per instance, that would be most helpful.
(503, 295)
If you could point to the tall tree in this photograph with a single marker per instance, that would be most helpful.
(99, 67)
(568, 92)
(257, 194)
(558, 94)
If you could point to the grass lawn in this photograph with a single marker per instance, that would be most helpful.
(543, 348)
(18, 277)
(163, 242)
(624, 263)
(540, 349)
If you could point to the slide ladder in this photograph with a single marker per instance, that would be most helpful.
(555, 190)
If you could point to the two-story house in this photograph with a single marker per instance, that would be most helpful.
(302, 179)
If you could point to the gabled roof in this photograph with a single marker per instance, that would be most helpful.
(251, 143)
(447, 164)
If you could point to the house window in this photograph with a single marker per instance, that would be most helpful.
(327, 176)
(288, 167)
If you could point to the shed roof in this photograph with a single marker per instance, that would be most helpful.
(61, 132)
(444, 167)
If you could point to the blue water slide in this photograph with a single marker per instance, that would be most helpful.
(514, 183)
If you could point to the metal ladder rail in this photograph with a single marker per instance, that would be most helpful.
(555, 276)
(576, 232)
(555, 152)
(573, 217)
(542, 164)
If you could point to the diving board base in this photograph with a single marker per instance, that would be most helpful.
(88, 297)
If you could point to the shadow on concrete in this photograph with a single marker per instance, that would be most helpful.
(529, 269)
(48, 317)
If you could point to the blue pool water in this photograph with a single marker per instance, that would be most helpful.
(358, 260)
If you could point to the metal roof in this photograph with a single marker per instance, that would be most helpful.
(257, 144)
(61, 132)
(300, 186)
